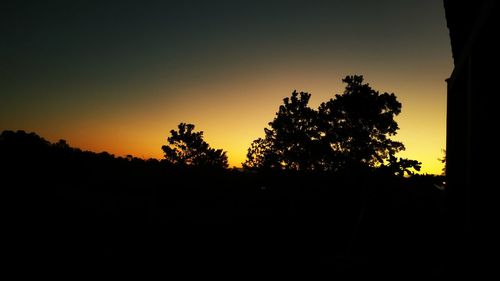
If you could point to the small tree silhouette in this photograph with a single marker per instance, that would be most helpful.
(261, 155)
(401, 166)
(293, 140)
(187, 148)
(443, 160)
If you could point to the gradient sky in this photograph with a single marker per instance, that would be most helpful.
(117, 76)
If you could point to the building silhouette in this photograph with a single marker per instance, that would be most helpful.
(471, 142)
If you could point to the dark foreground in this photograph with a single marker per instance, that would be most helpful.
(78, 211)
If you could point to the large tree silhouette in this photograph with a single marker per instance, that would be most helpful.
(349, 131)
(187, 148)
(358, 124)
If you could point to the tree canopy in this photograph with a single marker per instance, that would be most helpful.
(187, 148)
(351, 130)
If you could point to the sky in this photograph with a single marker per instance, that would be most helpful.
(117, 76)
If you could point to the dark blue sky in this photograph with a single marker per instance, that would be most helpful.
(65, 40)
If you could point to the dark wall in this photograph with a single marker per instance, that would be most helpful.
(471, 122)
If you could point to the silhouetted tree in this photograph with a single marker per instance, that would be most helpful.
(443, 160)
(260, 155)
(358, 124)
(401, 166)
(187, 148)
(349, 131)
(290, 142)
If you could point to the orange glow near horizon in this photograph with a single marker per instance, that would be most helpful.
(233, 113)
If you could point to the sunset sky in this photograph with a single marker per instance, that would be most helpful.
(117, 76)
